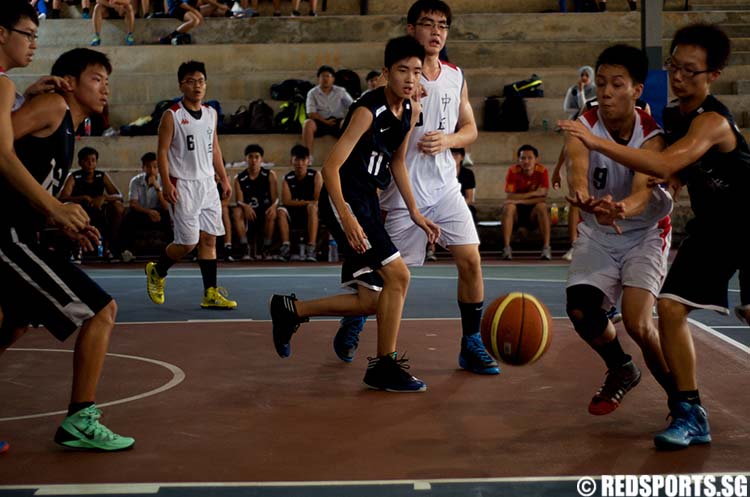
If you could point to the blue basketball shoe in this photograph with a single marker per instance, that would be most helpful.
(346, 341)
(474, 357)
(689, 426)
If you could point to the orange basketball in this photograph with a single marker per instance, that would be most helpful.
(517, 328)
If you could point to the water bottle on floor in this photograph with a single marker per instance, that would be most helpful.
(333, 250)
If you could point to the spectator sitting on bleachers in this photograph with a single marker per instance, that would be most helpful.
(299, 195)
(148, 211)
(326, 107)
(113, 9)
(374, 80)
(526, 186)
(580, 93)
(186, 11)
(313, 8)
(257, 194)
(99, 197)
(256, 13)
(213, 8)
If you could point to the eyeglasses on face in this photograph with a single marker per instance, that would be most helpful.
(30, 35)
(430, 24)
(687, 73)
(194, 82)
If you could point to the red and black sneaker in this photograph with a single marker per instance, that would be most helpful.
(617, 383)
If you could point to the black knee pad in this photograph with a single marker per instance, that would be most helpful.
(584, 308)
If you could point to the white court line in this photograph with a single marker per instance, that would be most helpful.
(100, 489)
(327, 275)
(297, 484)
(178, 375)
(731, 341)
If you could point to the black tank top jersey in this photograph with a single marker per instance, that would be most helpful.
(82, 187)
(368, 166)
(48, 160)
(255, 192)
(718, 181)
(302, 189)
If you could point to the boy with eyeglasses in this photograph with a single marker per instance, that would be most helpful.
(708, 153)
(189, 156)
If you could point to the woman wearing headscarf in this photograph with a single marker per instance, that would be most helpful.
(580, 93)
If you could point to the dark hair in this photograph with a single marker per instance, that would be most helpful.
(85, 152)
(147, 157)
(710, 37)
(323, 69)
(253, 147)
(372, 74)
(460, 150)
(13, 11)
(300, 152)
(631, 58)
(527, 147)
(401, 48)
(74, 62)
(190, 67)
(428, 6)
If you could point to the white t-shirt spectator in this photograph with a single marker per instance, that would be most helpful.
(146, 196)
(335, 104)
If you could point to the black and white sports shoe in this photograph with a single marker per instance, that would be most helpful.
(285, 322)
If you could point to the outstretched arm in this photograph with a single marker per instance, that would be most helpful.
(706, 131)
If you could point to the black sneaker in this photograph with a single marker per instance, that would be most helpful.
(285, 322)
(389, 374)
(617, 383)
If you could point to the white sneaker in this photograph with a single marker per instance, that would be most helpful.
(546, 254)
(507, 254)
(568, 256)
(127, 256)
(431, 256)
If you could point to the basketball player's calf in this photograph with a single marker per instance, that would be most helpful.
(590, 322)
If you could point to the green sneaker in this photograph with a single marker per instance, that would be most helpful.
(83, 430)
(154, 284)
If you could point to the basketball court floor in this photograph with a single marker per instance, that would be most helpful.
(216, 412)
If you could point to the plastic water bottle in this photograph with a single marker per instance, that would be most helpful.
(333, 250)
(100, 248)
(87, 126)
(554, 215)
(237, 9)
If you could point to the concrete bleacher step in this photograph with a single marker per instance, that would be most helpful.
(468, 27)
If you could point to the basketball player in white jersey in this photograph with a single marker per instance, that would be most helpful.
(189, 155)
(625, 235)
(447, 122)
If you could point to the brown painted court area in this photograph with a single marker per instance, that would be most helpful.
(244, 415)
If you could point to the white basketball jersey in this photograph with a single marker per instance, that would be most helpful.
(432, 176)
(607, 177)
(191, 153)
(18, 102)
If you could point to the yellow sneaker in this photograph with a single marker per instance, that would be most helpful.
(216, 298)
(154, 284)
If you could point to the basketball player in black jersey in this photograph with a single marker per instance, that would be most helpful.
(257, 191)
(99, 196)
(709, 154)
(43, 287)
(371, 149)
